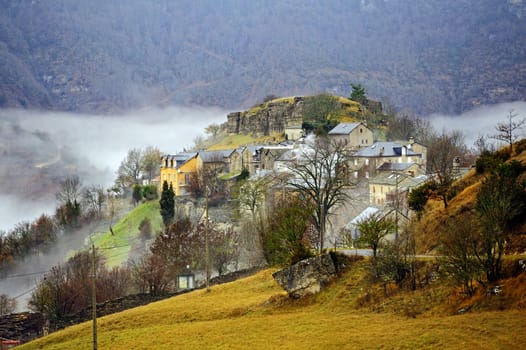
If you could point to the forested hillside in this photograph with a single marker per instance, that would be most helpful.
(428, 56)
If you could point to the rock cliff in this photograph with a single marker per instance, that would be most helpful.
(267, 118)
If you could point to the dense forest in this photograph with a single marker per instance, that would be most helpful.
(103, 56)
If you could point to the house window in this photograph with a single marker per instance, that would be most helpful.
(367, 174)
(355, 174)
(374, 190)
(361, 130)
(356, 162)
(366, 161)
(366, 141)
(186, 178)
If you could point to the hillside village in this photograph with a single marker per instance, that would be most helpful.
(379, 174)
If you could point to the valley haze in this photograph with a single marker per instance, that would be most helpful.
(100, 142)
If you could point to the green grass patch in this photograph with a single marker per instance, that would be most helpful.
(116, 247)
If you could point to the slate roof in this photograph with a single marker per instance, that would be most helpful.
(215, 156)
(400, 180)
(344, 128)
(387, 149)
(180, 158)
(395, 166)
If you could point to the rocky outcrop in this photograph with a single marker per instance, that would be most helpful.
(267, 118)
(310, 276)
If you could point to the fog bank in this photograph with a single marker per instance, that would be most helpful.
(479, 121)
(93, 144)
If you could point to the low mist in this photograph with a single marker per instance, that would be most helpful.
(480, 121)
(95, 144)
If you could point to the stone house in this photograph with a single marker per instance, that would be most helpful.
(366, 161)
(228, 161)
(294, 132)
(353, 135)
(392, 188)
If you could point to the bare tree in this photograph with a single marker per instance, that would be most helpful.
(441, 154)
(150, 274)
(318, 173)
(150, 159)
(507, 131)
(129, 171)
(251, 195)
(458, 246)
(94, 198)
(70, 190)
(224, 245)
(175, 246)
(405, 126)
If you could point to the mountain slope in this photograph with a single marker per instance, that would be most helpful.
(430, 56)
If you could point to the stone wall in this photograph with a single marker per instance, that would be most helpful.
(267, 118)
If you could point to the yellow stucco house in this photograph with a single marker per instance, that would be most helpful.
(177, 170)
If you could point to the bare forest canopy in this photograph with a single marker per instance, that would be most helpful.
(428, 56)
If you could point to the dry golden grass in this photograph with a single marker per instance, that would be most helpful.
(236, 141)
(435, 215)
(254, 313)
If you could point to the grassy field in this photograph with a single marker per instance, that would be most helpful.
(116, 247)
(254, 313)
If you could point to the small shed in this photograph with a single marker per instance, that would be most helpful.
(186, 279)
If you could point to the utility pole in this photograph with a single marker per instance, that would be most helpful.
(397, 206)
(207, 247)
(94, 296)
